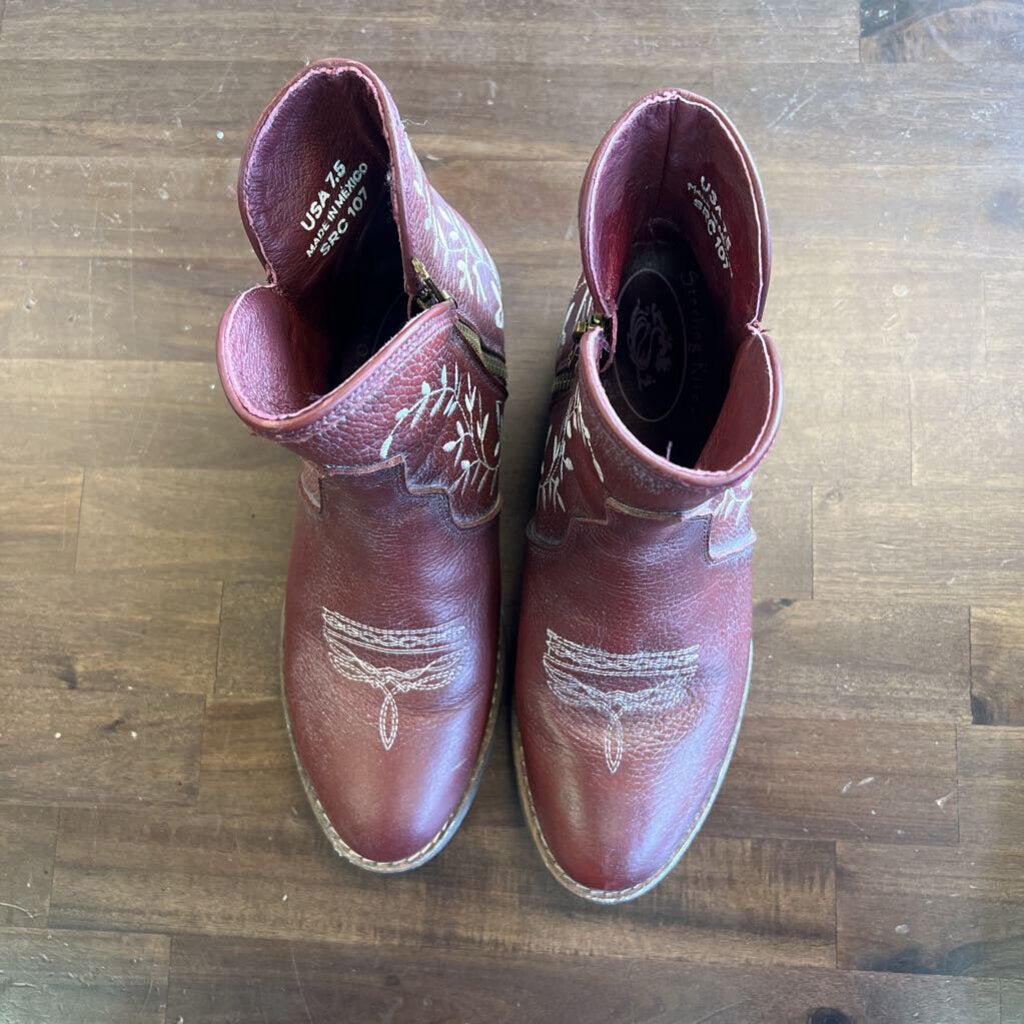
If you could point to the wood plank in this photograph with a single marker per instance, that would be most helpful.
(124, 413)
(39, 513)
(1004, 320)
(937, 30)
(104, 206)
(28, 840)
(916, 207)
(883, 782)
(925, 544)
(967, 429)
(247, 763)
(991, 763)
(83, 308)
(840, 423)
(997, 665)
(62, 976)
(206, 108)
(851, 308)
(730, 900)
(222, 980)
(861, 662)
(781, 514)
(1012, 1001)
(99, 747)
(871, 114)
(99, 632)
(249, 656)
(931, 909)
(218, 524)
(484, 36)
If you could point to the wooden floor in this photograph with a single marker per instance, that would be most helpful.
(865, 861)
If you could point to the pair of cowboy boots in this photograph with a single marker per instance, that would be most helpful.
(376, 353)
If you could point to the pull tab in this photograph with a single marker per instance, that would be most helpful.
(583, 326)
(430, 293)
(596, 320)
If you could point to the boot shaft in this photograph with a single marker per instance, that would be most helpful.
(668, 392)
(379, 335)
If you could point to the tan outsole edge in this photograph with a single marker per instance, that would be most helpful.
(447, 830)
(610, 897)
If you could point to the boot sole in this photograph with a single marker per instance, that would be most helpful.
(612, 896)
(448, 829)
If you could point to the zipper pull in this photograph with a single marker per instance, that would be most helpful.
(582, 326)
(430, 294)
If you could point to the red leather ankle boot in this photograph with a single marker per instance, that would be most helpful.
(375, 353)
(634, 643)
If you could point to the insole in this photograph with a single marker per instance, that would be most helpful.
(366, 300)
(671, 369)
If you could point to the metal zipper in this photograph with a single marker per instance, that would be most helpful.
(431, 294)
(563, 379)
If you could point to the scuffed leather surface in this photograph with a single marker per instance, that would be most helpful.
(396, 525)
(631, 555)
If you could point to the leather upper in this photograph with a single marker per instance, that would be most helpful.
(634, 642)
(391, 620)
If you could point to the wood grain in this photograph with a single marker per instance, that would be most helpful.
(997, 665)
(27, 843)
(991, 767)
(146, 309)
(39, 513)
(941, 30)
(857, 661)
(752, 901)
(125, 413)
(630, 32)
(103, 632)
(945, 545)
(879, 782)
(188, 522)
(864, 860)
(250, 637)
(217, 981)
(116, 748)
(116, 978)
(954, 444)
(930, 909)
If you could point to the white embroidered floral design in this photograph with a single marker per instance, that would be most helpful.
(557, 461)
(474, 455)
(457, 256)
(568, 666)
(729, 505)
(355, 650)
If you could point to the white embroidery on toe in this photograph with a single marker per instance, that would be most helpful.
(565, 663)
(356, 651)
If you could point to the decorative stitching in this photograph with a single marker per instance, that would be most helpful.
(553, 471)
(611, 896)
(461, 401)
(565, 662)
(444, 834)
(456, 246)
(440, 643)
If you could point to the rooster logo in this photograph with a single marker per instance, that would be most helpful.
(366, 654)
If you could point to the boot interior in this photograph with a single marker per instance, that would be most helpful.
(677, 253)
(316, 197)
